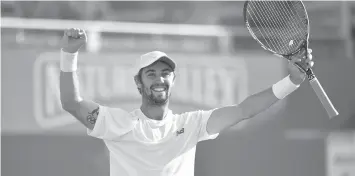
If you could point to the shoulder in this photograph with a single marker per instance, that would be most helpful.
(193, 116)
(197, 113)
(117, 112)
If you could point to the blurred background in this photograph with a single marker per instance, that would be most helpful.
(219, 64)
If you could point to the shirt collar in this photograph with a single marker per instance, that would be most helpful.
(153, 122)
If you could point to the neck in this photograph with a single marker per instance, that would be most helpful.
(155, 112)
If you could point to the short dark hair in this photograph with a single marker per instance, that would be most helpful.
(138, 78)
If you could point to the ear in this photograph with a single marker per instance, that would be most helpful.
(174, 78)
(138, 82)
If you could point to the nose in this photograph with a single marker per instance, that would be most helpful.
(160, 79)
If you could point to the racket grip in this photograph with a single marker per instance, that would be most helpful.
(322, 96)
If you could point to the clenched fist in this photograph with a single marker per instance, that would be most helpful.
(73, 39)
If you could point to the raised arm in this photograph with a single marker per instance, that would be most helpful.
(225, 117)
(83, 110)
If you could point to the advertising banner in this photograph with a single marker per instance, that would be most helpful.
(341, 154)
(204, 81)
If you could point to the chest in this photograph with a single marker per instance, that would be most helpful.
(155, 147)
(170, 138)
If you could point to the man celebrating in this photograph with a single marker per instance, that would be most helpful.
(152, 140)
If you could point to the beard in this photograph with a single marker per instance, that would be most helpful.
(156, 98)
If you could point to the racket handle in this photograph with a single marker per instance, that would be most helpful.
(322, 96)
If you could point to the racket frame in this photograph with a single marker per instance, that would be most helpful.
(303, 45)
(322, 96)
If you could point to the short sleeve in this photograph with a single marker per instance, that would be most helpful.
(203, 134)
(197, 120)
(111, 123)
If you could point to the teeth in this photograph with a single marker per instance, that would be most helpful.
(159, 89)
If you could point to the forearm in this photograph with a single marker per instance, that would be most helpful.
(257, 103)
(69, 87)
(85, 111)
(263, 100)
(69, 82)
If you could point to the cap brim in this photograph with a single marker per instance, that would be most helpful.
(168, 61)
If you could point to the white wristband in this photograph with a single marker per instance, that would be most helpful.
(68, 61)
(284, 87)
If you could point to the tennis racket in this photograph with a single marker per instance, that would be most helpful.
(282, 27)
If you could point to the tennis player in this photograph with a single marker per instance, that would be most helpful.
(152, 140)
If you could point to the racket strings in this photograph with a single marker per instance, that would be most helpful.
(293, 22)
(289, 14)
(285, 18)
(265, 27)
(294, 15)
(269, 25)
(262, 22)
(279, 25)
(303, 18)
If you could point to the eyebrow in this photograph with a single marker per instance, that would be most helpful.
(151, 70)
(167, 69)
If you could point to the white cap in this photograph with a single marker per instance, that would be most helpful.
(151, 57)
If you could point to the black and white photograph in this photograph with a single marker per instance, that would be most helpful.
(177, 88)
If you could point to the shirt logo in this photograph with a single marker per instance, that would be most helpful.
(179, 132)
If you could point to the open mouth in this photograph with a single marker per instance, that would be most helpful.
(159, 89)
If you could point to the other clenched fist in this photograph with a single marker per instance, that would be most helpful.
(73, 39)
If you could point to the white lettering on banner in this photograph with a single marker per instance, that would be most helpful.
(106, 83)
(196, 89)
(119, 81)
(211, 88)
(181, 85)
(201, 86)
(103, 88)
(228, 84)
(86, 78)
(52, 95)
(123, 82)
(111, 81)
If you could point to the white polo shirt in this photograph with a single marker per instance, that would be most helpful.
(140, 146)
